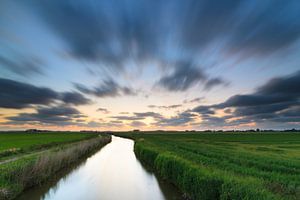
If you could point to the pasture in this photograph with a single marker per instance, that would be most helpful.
(32, 169)
(226, 166)
(13, 143)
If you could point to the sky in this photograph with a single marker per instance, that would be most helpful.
(149, 64)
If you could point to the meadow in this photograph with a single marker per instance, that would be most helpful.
(225, 165)
(15, 143)
(58, 151)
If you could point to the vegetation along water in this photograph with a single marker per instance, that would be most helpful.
(225, 166)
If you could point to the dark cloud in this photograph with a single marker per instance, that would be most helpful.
(204, 110)
(187, 75)
(183, 77)
(22, 66)
(113, 31)
(74, 98)
(108, 88)
(277, 90)
(14, 94)
(54, 115)
(274, 101)
(67, 19)
(180, 120)
(214, 82)
(264, 30)
(207, 20)
(288, 85)
(249, 27)
(199, 32)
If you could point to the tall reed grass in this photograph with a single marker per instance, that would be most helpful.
(200, 182)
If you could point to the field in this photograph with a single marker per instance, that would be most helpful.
(225, 166)
(40, 156)
(19, 142)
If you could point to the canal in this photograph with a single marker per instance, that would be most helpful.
(113, 173)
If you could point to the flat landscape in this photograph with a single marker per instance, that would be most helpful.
(150, 100)
(30, 159)
(14, 143)
(226, 166)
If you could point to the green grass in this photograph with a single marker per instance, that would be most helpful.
(26, 172)
(21, 142)
(226, 166)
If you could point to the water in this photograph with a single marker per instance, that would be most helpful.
(113, 173)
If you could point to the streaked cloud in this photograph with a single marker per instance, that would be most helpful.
(123, 59)
(108, 88)
(53, 115)
(14, 94)
(275, 101)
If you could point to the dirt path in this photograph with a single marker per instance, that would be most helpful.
(17, 157)
(23, 156)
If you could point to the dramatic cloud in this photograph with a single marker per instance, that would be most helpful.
(276, 91)
(163, 50)
(15, 94)
(74, 98)
(187, 75)
(108, 88)
(255, 27)
(114, 28)
(181, 119)
(214, 82)
(183, 77)
(276, 101)
(204, 110)
(58, 115)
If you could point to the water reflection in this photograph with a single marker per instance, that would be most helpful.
(113, 173)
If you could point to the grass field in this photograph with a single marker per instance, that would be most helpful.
(20, 142)
(226, 166)
(33, 169)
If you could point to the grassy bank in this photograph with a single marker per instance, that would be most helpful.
(16, 143)
(225, 166)
(24, 173)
